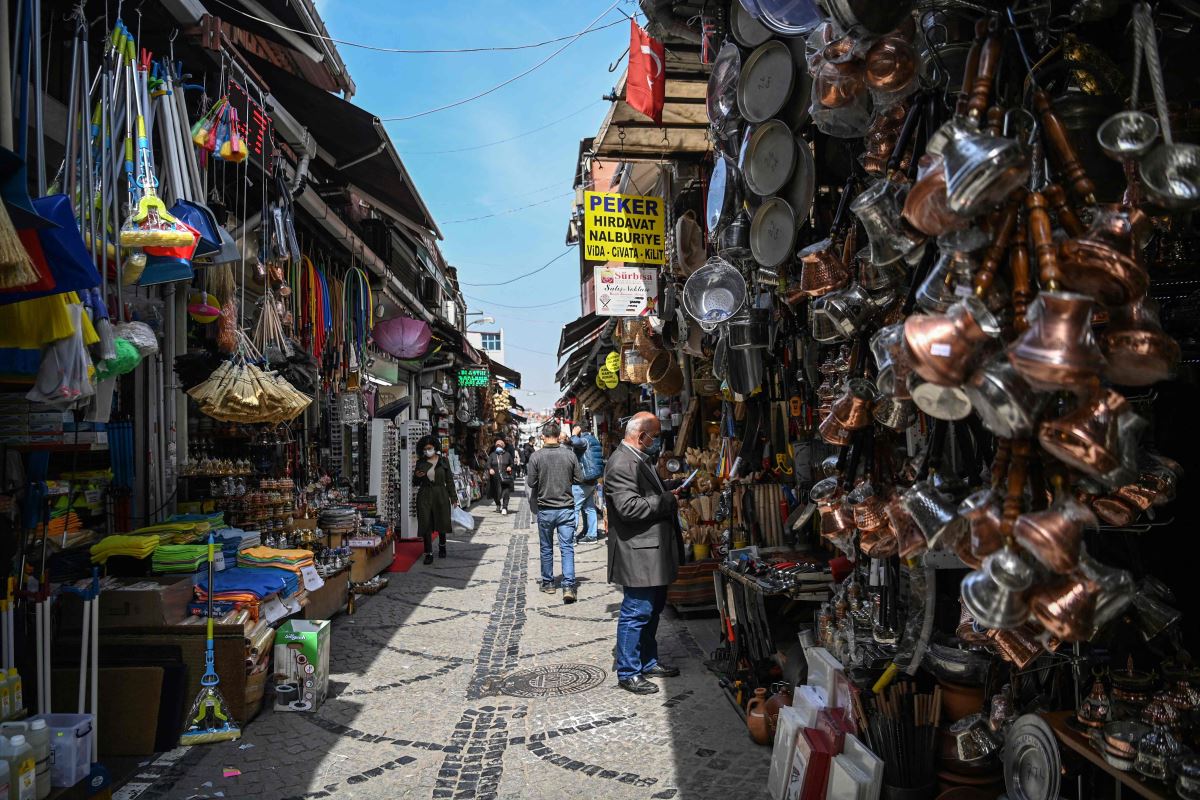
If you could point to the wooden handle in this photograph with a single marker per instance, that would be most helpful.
(1018, 471)
(1067, 217)
(1000, 464)
(1064, 152)
(1018, 265)
(1044, 247)
(971, 67)
(981, 90)
(995, 121)
(1005, 224)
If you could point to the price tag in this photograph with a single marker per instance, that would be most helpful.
(312, 580)
(273, 610)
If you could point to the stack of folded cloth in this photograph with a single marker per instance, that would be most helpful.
(292, 560)
(214, 520)
(124, 544)
(291, 580)
(242, 585)
(179, 532)
(179, 558)
(231, 540)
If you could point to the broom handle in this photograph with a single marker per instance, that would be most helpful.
(6, 99)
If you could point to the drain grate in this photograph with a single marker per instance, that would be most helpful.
(552, 680)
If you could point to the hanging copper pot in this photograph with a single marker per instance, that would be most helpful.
(821, 270)
(891, 64)
(1114, 511)
(879, 544)
(1105, 262)
(910, 540)
(925, 207)
(836, 520)
(837, 84)
(867, 508)
(1098, 438)
(944, 347)
(1058, 351)
(1067, 608)
(982, 513)
(1053, 536)
(853, 409)
(1138, 351)
(1020, 645)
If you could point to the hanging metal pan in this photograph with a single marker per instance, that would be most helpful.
(721, 98)
(773, 232)
(723, 194)
(745, 29)
(766, 81)
(769, 158)
(803, 186)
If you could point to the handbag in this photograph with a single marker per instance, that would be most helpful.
(462, 520)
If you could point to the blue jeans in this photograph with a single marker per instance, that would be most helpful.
(562, 522)
(637, 629)
(585, 509)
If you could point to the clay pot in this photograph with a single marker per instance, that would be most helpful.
(960, 701)
(782, 697)
(756, 718)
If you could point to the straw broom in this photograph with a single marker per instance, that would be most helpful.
(16, 267)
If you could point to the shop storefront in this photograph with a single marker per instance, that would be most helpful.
(923, 329)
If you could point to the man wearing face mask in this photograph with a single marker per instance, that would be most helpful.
(645, 549)
(500, 475)
(435, 495)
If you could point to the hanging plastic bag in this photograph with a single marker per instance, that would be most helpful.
(63, 379)
(140, 335)
(462, 520)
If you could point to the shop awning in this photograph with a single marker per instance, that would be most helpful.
(355, 144)
(628, 134)
(582, 331)
(505, 373)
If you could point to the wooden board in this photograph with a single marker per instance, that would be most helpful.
(330, 600)
(364, 565)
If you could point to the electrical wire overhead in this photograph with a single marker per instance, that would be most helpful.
(412, 51)
(543, 304)
(570, 41)
(519, 277)
(504, 141)
(508, 211)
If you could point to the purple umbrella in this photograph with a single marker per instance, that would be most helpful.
(403, 337)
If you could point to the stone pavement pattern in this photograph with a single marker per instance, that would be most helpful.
(420, 707)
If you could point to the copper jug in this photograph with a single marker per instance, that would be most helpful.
(1114, 511)
(867, 508)
(910, 540)
(853, 409)
(836, 521)
(1098, 438)
(925, 207)
(1137, 350)
(944, 347)
(879, 544)
(1066, 608)
(821, 270)
(952, 276)
(1058, 351)
(837, 84)
(982, 513)
(1105, 262)
(878, 208)
(1053, 536)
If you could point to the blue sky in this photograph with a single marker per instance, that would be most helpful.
(533, 169)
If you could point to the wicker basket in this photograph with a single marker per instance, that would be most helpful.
(665, 375)
(635, 368)
(704, 383)
(644, 341)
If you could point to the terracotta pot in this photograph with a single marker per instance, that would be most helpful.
(782, 697)
(756, 717)
(960, 701)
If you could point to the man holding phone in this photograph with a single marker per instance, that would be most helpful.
(645, 550)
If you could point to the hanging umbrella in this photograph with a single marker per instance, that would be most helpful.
(403, 337)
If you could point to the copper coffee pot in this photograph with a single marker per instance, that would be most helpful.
(982, 513)
(925, 207)
(853, 409)
(867, 508)
(1113, 511)
(891, 64)
(836, 520)
(910, 540)
(1058, 351)
(1105, 262)
(1066, 608)
(838, 84)
(821, 269)
(1053, 536)
(944, 347)
(879, 544)
(1138, 351)
(1019, 645)
(1098, 438)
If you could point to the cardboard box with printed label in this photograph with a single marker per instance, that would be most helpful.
(301, 665)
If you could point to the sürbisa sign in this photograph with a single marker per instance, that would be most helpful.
(624, 227)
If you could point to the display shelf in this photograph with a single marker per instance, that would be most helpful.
(1078, 743)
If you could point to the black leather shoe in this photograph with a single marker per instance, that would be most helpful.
(442, 552)
(660, 671)
(429, 558)
(638, 685)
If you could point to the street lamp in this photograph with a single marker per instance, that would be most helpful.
(484, 320)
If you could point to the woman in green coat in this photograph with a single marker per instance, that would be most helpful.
(435, 495)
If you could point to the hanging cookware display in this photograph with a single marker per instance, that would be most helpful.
(772, 232)
(767, 80)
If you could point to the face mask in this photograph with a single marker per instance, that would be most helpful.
(499, 449)
(654, 449)
(429, 453)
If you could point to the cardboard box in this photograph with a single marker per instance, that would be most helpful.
(301, 665)
(146, 602)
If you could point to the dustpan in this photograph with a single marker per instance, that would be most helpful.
(201, 219)
(168, 264)
(227, 254)
(65, 256)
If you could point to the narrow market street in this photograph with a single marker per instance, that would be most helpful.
(462, 680)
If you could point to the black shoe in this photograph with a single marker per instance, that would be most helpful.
(429, 558)
(548, 587)
(660, 671)
(441, 552)
(497, 509)
(569, 594)
(638, 685)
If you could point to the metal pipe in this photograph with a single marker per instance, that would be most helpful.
(6, 97)
(38, 97)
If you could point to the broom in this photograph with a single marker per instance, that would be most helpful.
(16, 267)
(209, 721)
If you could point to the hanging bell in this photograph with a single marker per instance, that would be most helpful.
(1058, 351)
(878, 208)
(1105, 262)
(953, 274)
(944, 347)
(1136, 349)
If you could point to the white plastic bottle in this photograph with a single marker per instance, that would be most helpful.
(5, 791)
(39, 740)
(14, 690)
(22, 768)
(6, 707)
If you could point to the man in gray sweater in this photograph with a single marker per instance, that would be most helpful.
(552, 472)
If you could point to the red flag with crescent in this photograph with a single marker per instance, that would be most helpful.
(646, 83)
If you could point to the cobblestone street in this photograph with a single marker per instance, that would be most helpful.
(430, 698)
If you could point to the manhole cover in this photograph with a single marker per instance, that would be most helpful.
(552, 680)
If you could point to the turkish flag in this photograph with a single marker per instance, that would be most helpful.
(646, 83)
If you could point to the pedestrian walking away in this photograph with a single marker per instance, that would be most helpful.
(645, 550)
(435, 495)
(591, 461)
(500, 476)
(553, 470)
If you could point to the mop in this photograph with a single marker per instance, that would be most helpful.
(209, 720)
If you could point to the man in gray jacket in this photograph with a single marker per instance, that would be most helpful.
(645, 549)
(552, 472)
